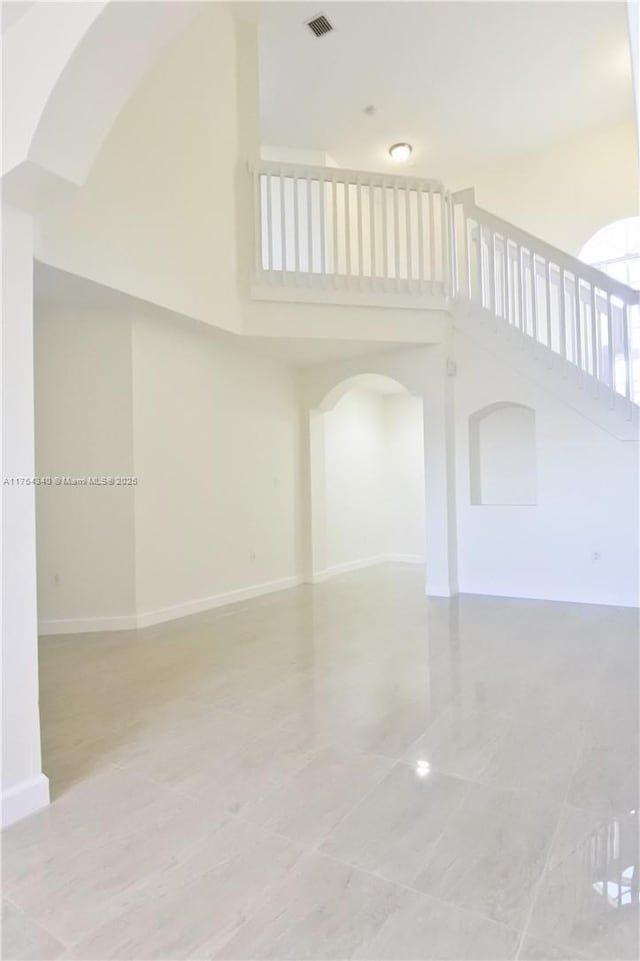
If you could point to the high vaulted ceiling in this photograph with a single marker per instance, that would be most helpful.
(468, 83)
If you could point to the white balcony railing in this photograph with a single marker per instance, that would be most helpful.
(330, 228)
(555, 301)
(332, 234)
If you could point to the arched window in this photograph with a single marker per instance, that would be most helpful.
(615, 250)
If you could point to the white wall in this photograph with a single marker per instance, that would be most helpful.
(163, 213)
(405, 476)
(216, 455)
(587, 499)
(355, 479)
(565, 193)
(210, 431)
(86, 551)
(24, 787)
(374, 479)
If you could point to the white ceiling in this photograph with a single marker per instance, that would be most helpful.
(467, 83)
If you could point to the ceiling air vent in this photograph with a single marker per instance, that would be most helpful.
(320, 25)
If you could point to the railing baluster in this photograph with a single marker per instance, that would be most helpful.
(432, 243)
(323, 254)
(547, 297)
(520, 318)
(562, 320)
(296, 228)
(360, 240)
(493, 307)
(507, 283)
(626, 345)
(407, 214)
(257, 222)
(469, 248)
(396, 236)
(269, 225)
(372, 235)
(455, 267)
(334, 202)
(420, 197)
(283, 228)
(595, 339)
(480, 262)
(347, 221)
(309, 232)
(534, 300)
(578, 319)
(610, 351)
(385, 235)
(443, 239)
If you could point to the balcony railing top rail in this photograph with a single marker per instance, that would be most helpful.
(342, 175)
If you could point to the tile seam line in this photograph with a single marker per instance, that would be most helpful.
(538, 885)
(311, 849)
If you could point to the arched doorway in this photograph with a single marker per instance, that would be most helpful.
(367, 488)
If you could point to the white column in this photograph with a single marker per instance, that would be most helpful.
(24, 787)
(439, 478)
(316, 515)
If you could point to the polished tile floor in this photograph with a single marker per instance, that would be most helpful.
(344, 771)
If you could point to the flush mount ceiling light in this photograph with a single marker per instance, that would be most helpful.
(400, 152)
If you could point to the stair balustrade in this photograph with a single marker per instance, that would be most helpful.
(328, 233)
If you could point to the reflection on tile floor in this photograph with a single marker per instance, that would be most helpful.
(342, 771)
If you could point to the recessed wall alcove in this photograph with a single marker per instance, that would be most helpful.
(502, 455)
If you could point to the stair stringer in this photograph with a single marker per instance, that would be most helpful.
(585, 394)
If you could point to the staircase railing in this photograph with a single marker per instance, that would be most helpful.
(344, 229)
(558, 303)
(408, 241)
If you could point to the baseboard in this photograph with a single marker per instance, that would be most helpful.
(556, 597)
(149, 618)
(24, 799)
(319, 576)
(129, 622)
(404, 559)
(88, 625)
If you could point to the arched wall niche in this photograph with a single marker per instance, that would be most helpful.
(502, 455)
